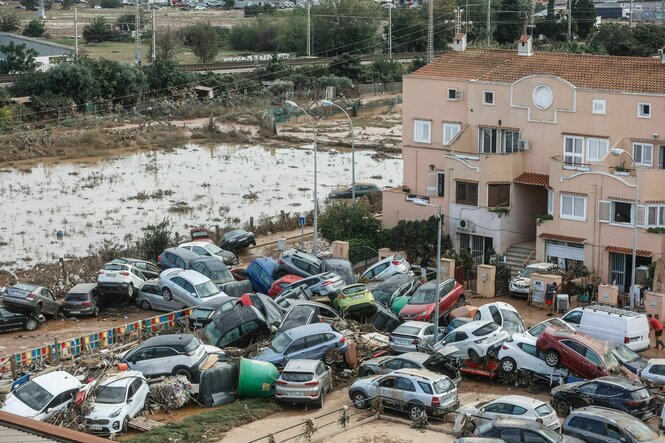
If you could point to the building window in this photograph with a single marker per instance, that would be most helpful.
(450, 130)
(642, 153)
(476, 245)
(488, 97)
(498, 196)
(454, 94)
(422, 131)
(511, 141)
(467, 193)
(573, 150)
(493, 141)
(596, 149)
(573, 207)
(550, 202)
(488, 140)
(656, 216)
(621, 212)
(644, 110)
(599, 107)
(436, 182)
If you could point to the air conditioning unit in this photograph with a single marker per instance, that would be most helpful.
(464, 225)
(523, 145)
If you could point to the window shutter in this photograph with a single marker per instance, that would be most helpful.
(604, 210)
(504, 197)
(641, 215)
(432, 184)
(493, 197)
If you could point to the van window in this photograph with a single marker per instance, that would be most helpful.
(574, 317)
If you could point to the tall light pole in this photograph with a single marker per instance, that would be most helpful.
(617, 152)
(315, 247)
(435, 318)
(327, 104)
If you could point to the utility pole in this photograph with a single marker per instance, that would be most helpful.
(466, 17)
(76, 32)
(489, 21)
(137, 34)
(42, 10)
(390, 32)
(631, 25)
(309, 29)
(458, 20)
(570, 21)
(430, 32)
(154, 41)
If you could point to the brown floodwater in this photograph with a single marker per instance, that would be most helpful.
(112, 198)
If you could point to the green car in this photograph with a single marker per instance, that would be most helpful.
(354, 298)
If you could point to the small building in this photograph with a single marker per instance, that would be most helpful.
(48, 53)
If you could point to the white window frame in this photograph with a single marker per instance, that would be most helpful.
(572, 215)
(643, 148)
(454, 128)
(454, 97)
(599, 106)
(419, 135)
(575, 156)
(604, 211)
(598, 141)
(659, 216)
(640, 114)
(485, 102)
(550, 202)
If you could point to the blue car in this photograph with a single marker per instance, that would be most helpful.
(310, 342)
(629, 359)
(261, 273)
(456, 323)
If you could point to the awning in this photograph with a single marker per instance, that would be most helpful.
(559, 237)
(579, 134)
(576, 194)
(533, 178)
(499, 182)
(628, 251)
(508, 128)
(623, 199)
(466, 180)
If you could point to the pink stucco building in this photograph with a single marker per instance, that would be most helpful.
(533, 132)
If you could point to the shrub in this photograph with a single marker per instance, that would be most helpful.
(155, 239)
(110, 4)
(9, 22)
(97, 31)
(34, 28)
(343, 221)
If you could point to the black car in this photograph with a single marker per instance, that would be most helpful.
(341, 267)
(629, 359)
(361, 190)
(81, 300)
(611, 392)
(273, 313)
(384, 319)
(10, 320)
(293, 293)
(516, 430)
(397, 285)
(237, 328)
(204, 313)
(177, 258)
(219, 273)
(237, 239)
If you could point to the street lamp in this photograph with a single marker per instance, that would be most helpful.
(315, 247)
(617, 152)
(327, 104)
(435, 318)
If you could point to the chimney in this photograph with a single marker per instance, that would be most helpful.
(459, 42)
(525, 46)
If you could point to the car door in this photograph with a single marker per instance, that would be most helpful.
(655, 373)
(135, 395)
(588, 430)
(574, 357)
(534, 437)
(9, 320)
(297, 349)
(586, 395)
(142, 361)
(574, 319)
(428, 334)
(324, 374)
(49, 304)
(403, 392)
(446, 299)
(58, 403)
(492, 411)
(317, 346)
(137, 276)
(386, 392)
(148, 269)
(532, 359)
(178, 290)
(392, 365)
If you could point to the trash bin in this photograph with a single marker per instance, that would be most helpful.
(216, 384)
(562, 303)
(257, 378)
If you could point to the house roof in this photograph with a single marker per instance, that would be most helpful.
(602, 72)
(628, 251)
(565, 238)
(533, 178)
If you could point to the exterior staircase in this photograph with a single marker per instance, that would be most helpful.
(519, 255)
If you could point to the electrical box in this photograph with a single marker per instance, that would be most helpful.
(608, 295)
(485, 283)
(386, 252)
(447, 268)
(340, 249)
(654, 303)
(539, 284)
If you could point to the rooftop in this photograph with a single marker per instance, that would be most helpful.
(602, 72)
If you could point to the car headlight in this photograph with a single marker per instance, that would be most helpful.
(115, 413)
(424, 313)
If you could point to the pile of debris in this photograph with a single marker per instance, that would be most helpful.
(172, 393)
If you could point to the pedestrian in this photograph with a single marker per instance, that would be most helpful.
(550, 293)
(657, 327)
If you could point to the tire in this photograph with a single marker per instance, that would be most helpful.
(329, 358)
(38, 310)
(461, 301)
(415, 411)
(360, 400)
(508, 365)
(125, 425)
(95, 312)
(145, 305)
(183, 371)
(31, 324)
(562, 407)
(552, 358)
(473, 355)
(130, 291)
(319, 402)
(166, 292)
(368, 373)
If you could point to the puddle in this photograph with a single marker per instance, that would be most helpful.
(112, 198)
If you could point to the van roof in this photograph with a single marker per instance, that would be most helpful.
(610, 310)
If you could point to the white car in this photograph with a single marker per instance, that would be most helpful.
(395, 264)
(520, 354)
(43, 396)
(502, 314)
(654, 371)
(118, 400)
(211, 250)
(120, 277)
(512, 406)
(521, 285)
(553, 322)
(474, 340)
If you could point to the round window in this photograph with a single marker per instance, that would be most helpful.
(542, 97)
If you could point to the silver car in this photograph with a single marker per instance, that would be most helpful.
(411, 336)
(187, 287)
(415, 391)
(150, 297)
(389, 266)
(325, 284)
(297, 263)
(304, 381)
(33, 298)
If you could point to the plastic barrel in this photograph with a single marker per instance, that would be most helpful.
(398, 304)
(256, 378)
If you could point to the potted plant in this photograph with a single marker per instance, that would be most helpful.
(621, 170)
(542, 217)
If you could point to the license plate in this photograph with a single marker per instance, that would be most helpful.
(357, 297)
(402, 341)
(74, 312)
(197, 324)
(111, 274)
(297, 393)
(95, 427)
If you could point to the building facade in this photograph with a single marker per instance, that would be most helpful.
(518, 146)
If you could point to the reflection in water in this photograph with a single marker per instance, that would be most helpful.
(112, 198)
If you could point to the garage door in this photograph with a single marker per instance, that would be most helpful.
(560, 249)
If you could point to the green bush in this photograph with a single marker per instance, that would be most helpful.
(34, 28)
(98, 31)
(342, 221)
(110, 4)
(9, 22)
(155, 239)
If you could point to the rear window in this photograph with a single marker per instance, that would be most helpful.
(442, 385)
(76, 297)
(425, 387)
(199, 314)
(407, 330)
(298, 377)
(354, 290)
(544, 410)
(485, 330)
(114, 267)
(192, 345)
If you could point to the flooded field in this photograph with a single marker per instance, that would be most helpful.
(111, 198)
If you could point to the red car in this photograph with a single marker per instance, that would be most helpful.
(584, 356)
(282, 283)
(420, 306)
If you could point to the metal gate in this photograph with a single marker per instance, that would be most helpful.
(362, 258)
(618, 270)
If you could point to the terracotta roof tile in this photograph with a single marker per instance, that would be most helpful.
(623, 199)
(577, 194)
(562, 238)
(533, 178)
(628, 251)
(654, 202)
(507, 128)
(499, 182)
(465, 180)
(602, 72)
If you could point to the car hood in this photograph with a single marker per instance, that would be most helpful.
(470, 408)
(636, 365)
(566, 387)
(103, 410)
(416, 309)
(522, 281)
(15, 406)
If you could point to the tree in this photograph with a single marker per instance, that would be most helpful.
(203, 41)
(66, 4)
(346, 65)
(617, 39)
(409, 30)
(548, 26)
(650, 37)
(30, 5)
(340, 26)
(511, 21)
(18, 59)
(74, 80)
(117, 81)
(155, 239)
(34, 28)
(164, 75)
(97, 31)
(343, 221)
(229, 4)
(166, 44)
(9, 22)
(584, 17)
(418, 238)
(110, 4)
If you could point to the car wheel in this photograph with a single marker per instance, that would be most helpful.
(183, 371)
(562, 407)
(330, 358)
(461, 301)
(416, 411)
(368, 373)
(166, 292)
(360, 400)
(130, 291)
(508, 365)
(31, 324)
(552, 358)
(95, 312)
(473, 355)
(38, 309)
(125, 425)
(145, 305)
(319, 402)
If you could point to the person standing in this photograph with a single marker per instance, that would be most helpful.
(550, 295)
(657, 327)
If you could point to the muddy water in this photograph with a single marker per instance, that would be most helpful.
(112, 198)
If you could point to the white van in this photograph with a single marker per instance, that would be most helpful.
(521, 285)
(611, 324)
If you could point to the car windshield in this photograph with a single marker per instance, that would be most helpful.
(610, 360)
(212, 333)
(544, 410)
(640, 431)
(423, 296)
(407, 330)
(207, 289)
(512, 322)
(213, 249)
(486, 329)
(553, 322)
(354, 290)
(624, 355)
(33, 395)
(298, 377)
(233, 233)
(280, 343)
(111, 394)
(382, 296)
(192, 345)
(114, 267)
(442, 385)
(201, 313)
(343, 271)
(552, 435)
(526, 272)
(222, 276)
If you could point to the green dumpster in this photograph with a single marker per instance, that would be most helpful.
(256, 378)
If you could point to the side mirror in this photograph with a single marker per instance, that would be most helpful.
(48, 410)
(130, 400)
(193, 294)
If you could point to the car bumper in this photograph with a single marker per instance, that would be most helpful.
(103, 426)
(643, 414)
(19, 303)
(113, 286)
(519, 290)
(76, 312)
(437, 412)
(361, 306)
(402, 348)
(240, 244)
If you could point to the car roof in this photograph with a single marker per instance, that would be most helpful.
(418, 357)
(614, 415)
(213, 303)
(57, 381)
(195, 243)
(656, 361)
(83, 287)
(123, 378)
(472, 325)
(542, 265)
(304, 330)
(504, 422)
(620, 381)
(335, 261)
(300, 302)
(301, 365)
(432, 283)
(167, 339)
(519, 400)
(182, 253)
(212, 263)
(422, 373)
(500, 305)
(194, 277)
(597, 345)
(26, 286)
(415, 323)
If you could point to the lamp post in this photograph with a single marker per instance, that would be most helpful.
(617, 152)
(327, 104)
(316, 201)
(435, 318)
